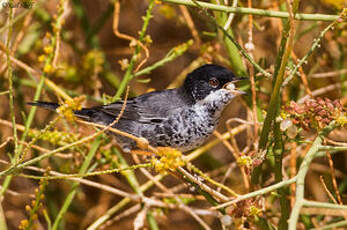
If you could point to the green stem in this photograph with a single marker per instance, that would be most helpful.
(73, 191)
(284, 202)
(300, 182)
(14, 159)
(28, 122)
(258, 192)
(128, 174)
(234, 56)
(274, 105)
(281, 63)
(170, 56)
(81, 175)
(32, 112)
(151, 221)
(333, 148)
(253, 11)
(10, 83)
(235, 59)
(317, 204)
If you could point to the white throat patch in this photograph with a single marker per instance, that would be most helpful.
(221, 96)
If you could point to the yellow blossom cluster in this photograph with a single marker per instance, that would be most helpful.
(34, 207)
(67, 109)
(170, 159)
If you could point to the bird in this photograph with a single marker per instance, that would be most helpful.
(182, 118)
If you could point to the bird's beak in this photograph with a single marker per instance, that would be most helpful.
(232, 88)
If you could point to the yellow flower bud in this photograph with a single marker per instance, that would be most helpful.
(42, 58)
(48, 49)
(48, 68)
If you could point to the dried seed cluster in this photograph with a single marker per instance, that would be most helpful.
(316, 113)
(244, 211)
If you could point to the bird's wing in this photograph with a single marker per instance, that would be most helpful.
(147, 108)
(133, 111)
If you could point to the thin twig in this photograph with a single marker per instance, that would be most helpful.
(322, 90)
(333, 178)
(250, 48)
(327, 190)
(231, 16)
(128, 74)
(302, 75)
(257, 193)
(303, 60)
(342, 223)
(83, 181)
(125, 36)
(329, 74)
(210, 180)
(59, 23)
(203, 186)
(190, 24)
(236, 156)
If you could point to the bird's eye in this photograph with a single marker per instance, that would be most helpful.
(213, 82)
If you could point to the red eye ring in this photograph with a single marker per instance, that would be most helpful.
(213, 82)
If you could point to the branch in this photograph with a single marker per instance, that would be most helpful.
(317, 204)
(332, 226)
(300, 183)
(333, 148)
(267, 13)
(315, 44)
(128, 74)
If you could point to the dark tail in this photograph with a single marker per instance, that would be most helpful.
(85, 114)
(47, 105)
